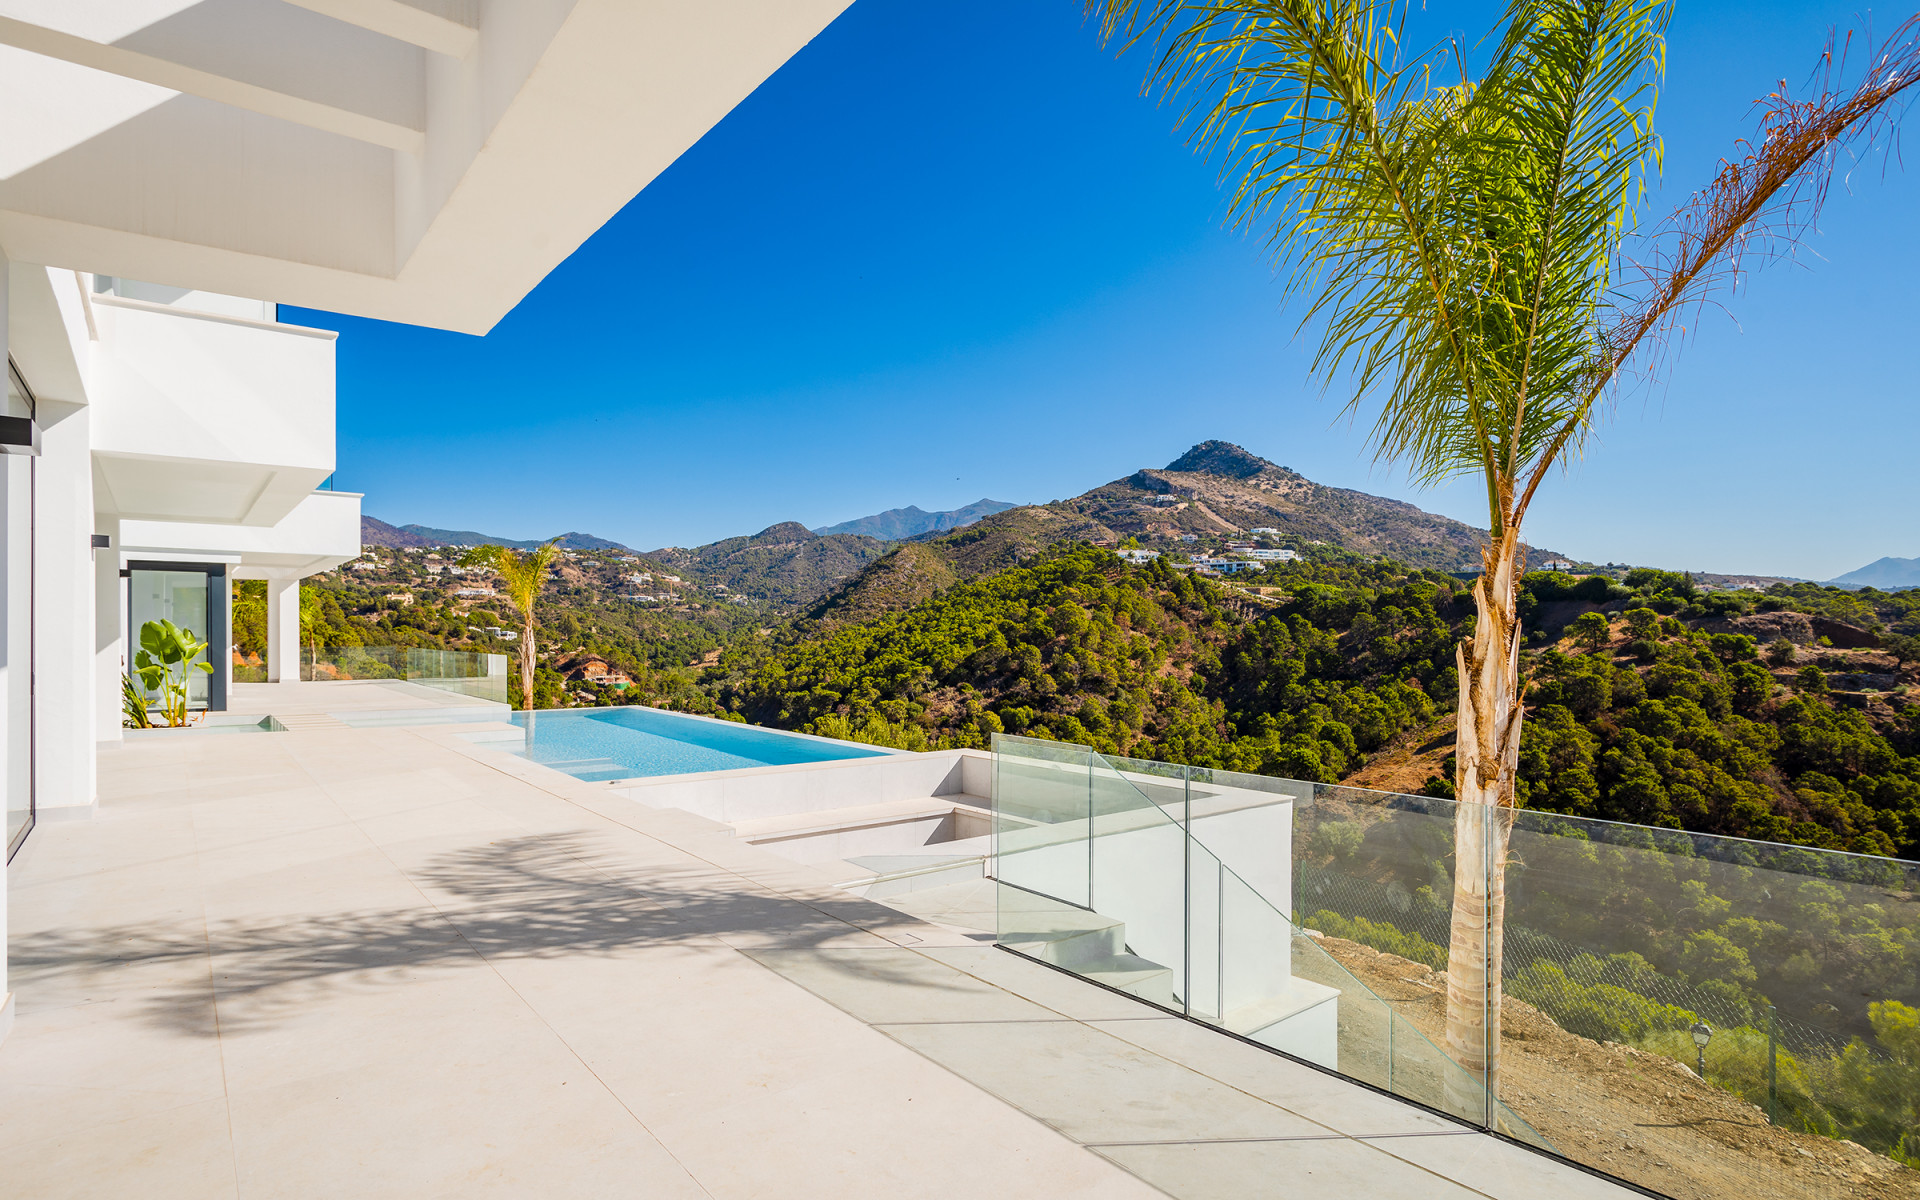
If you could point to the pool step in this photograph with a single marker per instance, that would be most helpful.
(592, 770)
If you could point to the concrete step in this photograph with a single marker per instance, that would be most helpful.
(1295, 997)
(1134, 975)
(1061, 934)
(304, 721)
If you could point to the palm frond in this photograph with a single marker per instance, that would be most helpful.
(1757, 210)
(1453, 240)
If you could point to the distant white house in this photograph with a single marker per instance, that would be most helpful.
(1264, 531)
(365, 566)
(1224, 566)
(1273, 555)
(1559, 564)
(1189, 537)
(1139, 556)
(474, 592)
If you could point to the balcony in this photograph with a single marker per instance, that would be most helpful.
(392, 959)
(207, 415)
(321, 532)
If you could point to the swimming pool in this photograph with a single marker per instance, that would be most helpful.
(629, 742)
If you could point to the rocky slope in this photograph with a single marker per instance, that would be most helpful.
(1218, 489)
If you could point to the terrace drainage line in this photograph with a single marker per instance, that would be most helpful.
(1469, 1127)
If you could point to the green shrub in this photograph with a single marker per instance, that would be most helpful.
(1381, 936)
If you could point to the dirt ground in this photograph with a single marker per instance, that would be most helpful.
(1407, 762)
(1640, 1116)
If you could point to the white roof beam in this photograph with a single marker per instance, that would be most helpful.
(165, 73)
(449, 27)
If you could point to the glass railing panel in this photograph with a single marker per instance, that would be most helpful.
(1788, 977)
(1247, 822)
(1137, 875)
(1282, 987)
(460, 672)
(1374, 877)
(326, 663)
(1041, 822)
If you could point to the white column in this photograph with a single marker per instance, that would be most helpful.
(283, 630)
(110, 652)
(64, 631)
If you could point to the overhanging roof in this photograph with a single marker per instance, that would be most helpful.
(422, 161)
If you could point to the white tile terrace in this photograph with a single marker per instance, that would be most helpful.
(388, 962)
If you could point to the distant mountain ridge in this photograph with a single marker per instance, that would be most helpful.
(1887, 574)
(898, 524)
(1215, 490)
(375, 532)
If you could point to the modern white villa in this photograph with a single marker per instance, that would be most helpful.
(371, 939)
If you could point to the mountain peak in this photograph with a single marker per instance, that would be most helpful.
(1220, 458)
(785, 531)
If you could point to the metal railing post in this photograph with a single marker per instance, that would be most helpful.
(1773, 1041)
(1090, 755)
(1186, 893)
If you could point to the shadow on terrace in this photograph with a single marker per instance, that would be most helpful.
(532, 897)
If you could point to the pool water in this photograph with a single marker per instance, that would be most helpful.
(628, 742)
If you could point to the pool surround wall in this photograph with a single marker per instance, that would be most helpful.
(757, 793)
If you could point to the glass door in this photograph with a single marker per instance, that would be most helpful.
(18, 480)
(192, 596)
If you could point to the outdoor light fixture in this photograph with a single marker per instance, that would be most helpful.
(1702, 1034)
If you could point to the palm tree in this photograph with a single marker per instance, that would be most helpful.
(522, 576)
(1470, 253)
(313, 622)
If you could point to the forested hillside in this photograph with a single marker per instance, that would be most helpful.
(1663, 713)
(787, 564)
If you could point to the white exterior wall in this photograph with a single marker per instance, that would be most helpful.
(110, 651)
(64, 630)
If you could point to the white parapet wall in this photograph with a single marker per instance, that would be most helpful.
(762, 792)
(1213, 906)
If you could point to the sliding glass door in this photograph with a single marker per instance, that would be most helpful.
(194, 597)
(16, 543)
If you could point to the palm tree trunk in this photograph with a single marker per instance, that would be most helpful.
(1488, 753)
(526, 663)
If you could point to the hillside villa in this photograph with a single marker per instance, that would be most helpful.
(382, 936)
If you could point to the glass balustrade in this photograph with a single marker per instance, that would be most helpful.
(1701, 1016)
(460, 672)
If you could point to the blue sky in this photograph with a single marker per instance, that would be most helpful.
(948, 251)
